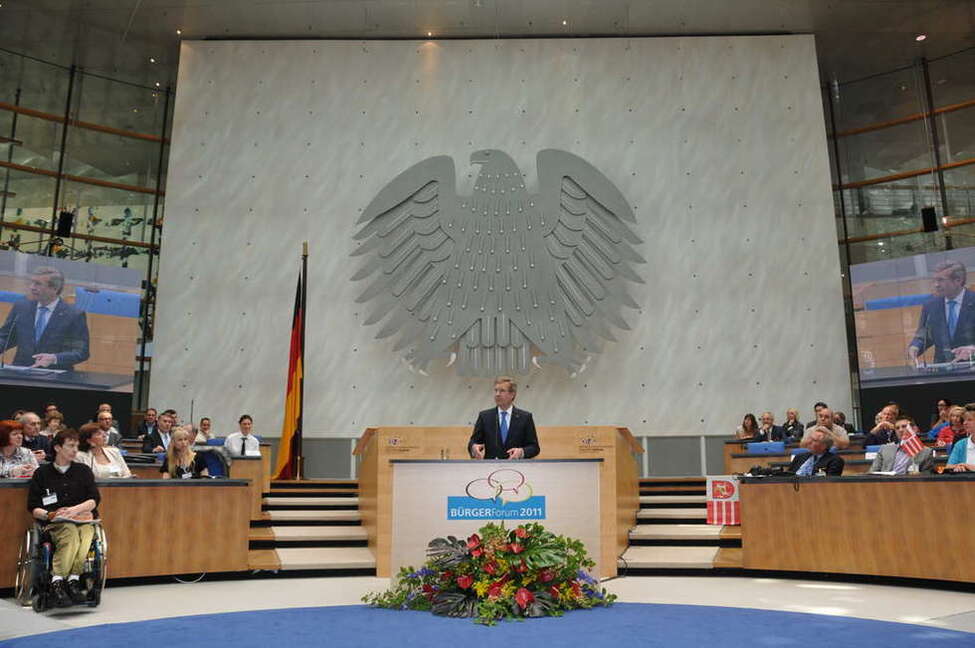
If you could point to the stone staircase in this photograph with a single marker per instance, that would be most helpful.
(311, 526)
(672, 531)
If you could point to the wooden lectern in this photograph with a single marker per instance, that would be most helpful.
(619, 494)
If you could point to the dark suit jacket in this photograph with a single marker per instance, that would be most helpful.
(153, 440)
(932, 327)
(144, 431)
(777, 432)
(65, 335)
(830, 463)
(521, 434)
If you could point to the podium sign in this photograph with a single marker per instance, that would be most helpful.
(724, 506)
(442, 498)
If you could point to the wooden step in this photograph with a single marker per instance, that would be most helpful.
(673, 513)
(266, 559)
(673, 499)
(312, 501)
(314, 515)
(676, 532)
(313, 492)
(669, 558)
(315, 483)
(689, 489)
(311, 533)
(326, 558)
(728, 558)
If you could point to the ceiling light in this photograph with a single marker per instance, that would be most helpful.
(565, 22)
(152, 60)
(157, 84)
(179, 32)
(921, 37)
(429, 34)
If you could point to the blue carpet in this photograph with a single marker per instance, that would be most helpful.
(624, 624)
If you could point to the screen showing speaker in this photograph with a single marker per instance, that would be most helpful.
(915, 318)
(68, 324)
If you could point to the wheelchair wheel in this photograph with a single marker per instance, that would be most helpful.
(97, 567)
(23, 585)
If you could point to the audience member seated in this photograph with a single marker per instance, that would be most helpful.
(204, 433)
(34, 441)
(818, 406)
(49, 407)
(768, 430)
(148, 425)
(819, 440)
(159, 439)
(107, 425)
(53, 423)
(114, 437)
(792, 428)
(65, 490)
(181, 462)
(898, 457)
(105, 461)
(962, 458)
(940, 419)
(953, 430)
(839, 418)
(883, 432)
(824, 419)
(244, 443)
(15, 460)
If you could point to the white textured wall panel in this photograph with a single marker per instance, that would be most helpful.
(717, 143)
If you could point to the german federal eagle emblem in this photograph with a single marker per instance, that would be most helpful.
(502, 279)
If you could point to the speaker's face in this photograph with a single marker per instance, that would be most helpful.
(41, 290)
(945, 285)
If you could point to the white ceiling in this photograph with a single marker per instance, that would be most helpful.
(855, 38)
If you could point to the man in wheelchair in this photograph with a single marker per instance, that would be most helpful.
(62, 498)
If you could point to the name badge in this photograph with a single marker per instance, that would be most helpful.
(47, 500)
(250, 452)
(187, 475)
(113, 470)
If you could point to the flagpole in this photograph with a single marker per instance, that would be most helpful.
(301, 386)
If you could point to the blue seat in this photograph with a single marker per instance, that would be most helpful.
(765, 447)
(796, 451)
(215, 464)
(10, 297)
(872, 448)
(217, 441)
(107, 302)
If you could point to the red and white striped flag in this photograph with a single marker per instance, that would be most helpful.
(723, 504)
(912, 445)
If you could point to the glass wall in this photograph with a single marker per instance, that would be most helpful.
(79, 144)
(901, 143)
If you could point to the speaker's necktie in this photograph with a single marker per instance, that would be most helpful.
(952, 317)
(41, 324)
(504, 428)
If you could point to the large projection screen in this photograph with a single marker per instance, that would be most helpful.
(718, 145)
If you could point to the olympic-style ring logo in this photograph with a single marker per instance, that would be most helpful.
(505, 484)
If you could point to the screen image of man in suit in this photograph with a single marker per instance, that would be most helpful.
(504, 431)
(947, 319)
(47, 331)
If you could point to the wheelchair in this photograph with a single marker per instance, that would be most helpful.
(33, 581)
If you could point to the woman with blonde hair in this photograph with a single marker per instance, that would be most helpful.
(105, 461)
(792, 429)
(180, 461)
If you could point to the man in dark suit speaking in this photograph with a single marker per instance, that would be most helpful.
(504, 431)
(947, 319)
(47, 331)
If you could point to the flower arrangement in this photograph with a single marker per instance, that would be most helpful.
(498, 574)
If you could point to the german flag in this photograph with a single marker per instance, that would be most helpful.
(289, 447)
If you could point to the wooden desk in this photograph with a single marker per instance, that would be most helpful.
(258, 471)
(909, 527)
(740, 463)
(619, 497)
(154, 527)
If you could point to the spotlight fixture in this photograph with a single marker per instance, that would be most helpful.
(921, 37)
(429, 34)
(152, 60)
(179, 32)
(565, 22)
(157, 84)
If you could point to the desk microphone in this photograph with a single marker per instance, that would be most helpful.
(6, 340)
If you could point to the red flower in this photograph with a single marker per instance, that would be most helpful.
(473, 541)
(465, 581)
(476, 553)
(546, 575)
(516, 548)
(491, 567)
(521, 532)
(447, 575)
(554, 591)
(523, 597)
(428, 591)
(576, 590)
(522, 568)
(494, 591)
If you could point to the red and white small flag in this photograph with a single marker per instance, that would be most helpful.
(723, 504)
(912, 445)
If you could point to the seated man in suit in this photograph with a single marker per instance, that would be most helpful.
(947, 320)
(898, 456)
(148, 425)
(34, 441)
(824, 420)
(768, 430)
(158, 440)
(820, 440)
(106, 424)
(504, 431)
(47, 331)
